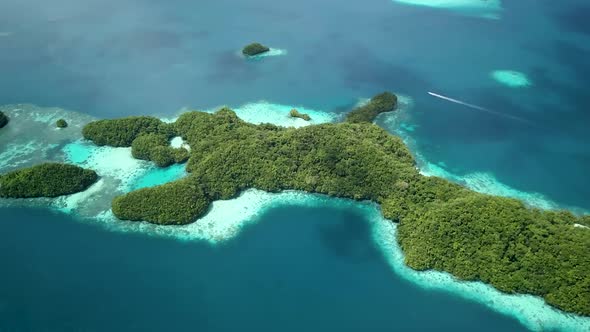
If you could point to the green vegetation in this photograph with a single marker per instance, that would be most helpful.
(169, 204)
(156, 147)
(295, 114)
(46, 180)
(122, 132)
(61, 123)
(147, 136)
(442, 225)
(254, 49)
(3, 119)
(381, 103)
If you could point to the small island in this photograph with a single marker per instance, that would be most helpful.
(295, 114)
(3, 119)
(381, 103)
(46, 180)
(61, 123)
(254, 49)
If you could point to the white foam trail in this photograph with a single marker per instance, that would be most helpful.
(479, 108)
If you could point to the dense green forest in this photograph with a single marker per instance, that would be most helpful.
(254, 49)
(156, 147)
(3, 119)
(296, 114)
(46, 180)
(61, 123)
(122, 132)
(442, 225)
(383, 102)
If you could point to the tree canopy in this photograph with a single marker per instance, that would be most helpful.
(46, 180)
(254, 49)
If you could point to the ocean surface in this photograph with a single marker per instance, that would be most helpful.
(297, 268)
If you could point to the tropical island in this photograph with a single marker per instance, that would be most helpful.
(61, 123)
(441, 225)
(46, 180)
(368, 112)
(3, 119)
(254, 49)
(296, 114)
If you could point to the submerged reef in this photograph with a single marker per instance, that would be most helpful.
(442, 226)
(46, 180)
(254, 49)
(511, 78)
(3, 119)
(294, 113)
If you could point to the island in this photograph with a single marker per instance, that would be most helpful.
(254, 49)
(381, 103)
(46, 180)
(3, 119)
(61, 123)
(295, 114)
(442, 226)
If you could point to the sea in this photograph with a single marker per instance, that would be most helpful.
(494, 97)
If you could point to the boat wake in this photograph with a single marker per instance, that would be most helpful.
(480, 108)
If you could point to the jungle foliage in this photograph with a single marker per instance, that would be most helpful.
(296, 114)
(122, 132)
(156, 147)
(254, 49)
(61, 123)
(46, 180)
(381, 103)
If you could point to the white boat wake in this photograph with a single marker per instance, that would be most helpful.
(480, 108)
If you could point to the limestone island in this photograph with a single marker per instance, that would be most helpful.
(3, 119)
(46, 180)
(254, 49)
(442, 226)
(295, 114)
(61, 123)
(381, 103)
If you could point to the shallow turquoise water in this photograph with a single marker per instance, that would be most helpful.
(157, 176)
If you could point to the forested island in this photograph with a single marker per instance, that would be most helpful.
(296, 114)
(254, 49)
(3, 119)
(46, 180)
(381, 103)
(442, 225)
(61, 123)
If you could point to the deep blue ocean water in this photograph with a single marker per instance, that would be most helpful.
(116, 58)
(304, 269)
